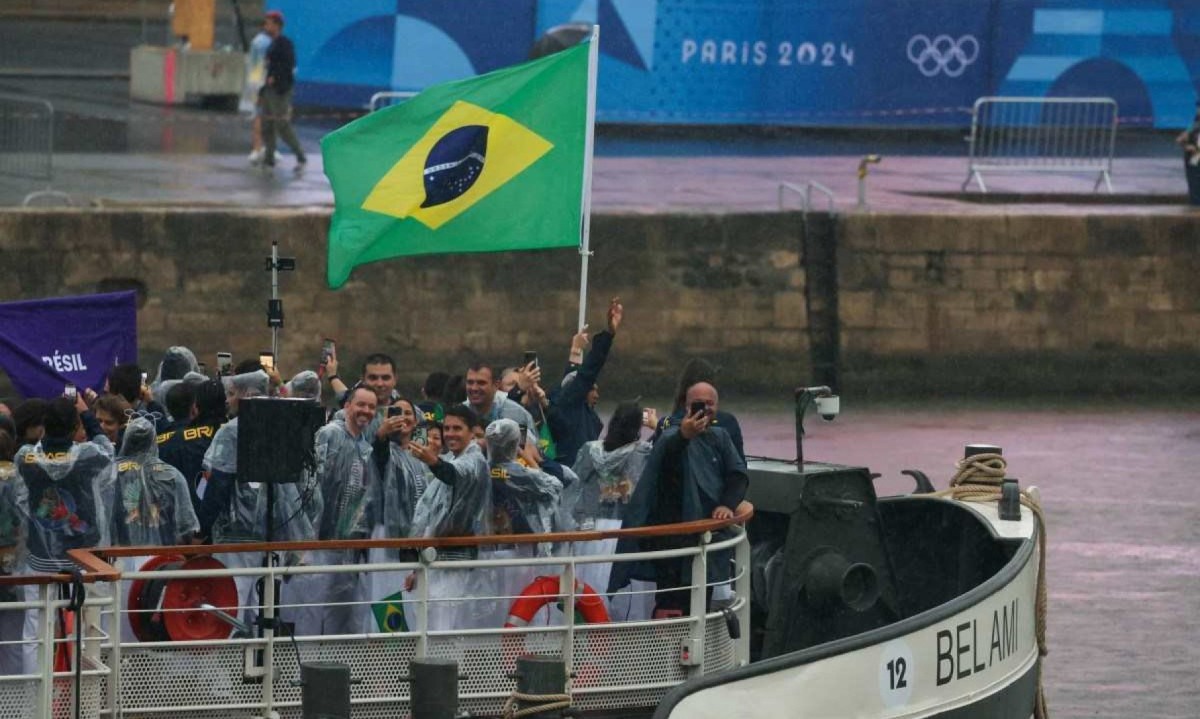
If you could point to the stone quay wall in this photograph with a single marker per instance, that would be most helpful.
(944, 304)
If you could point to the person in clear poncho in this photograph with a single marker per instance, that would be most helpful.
(62, 480)
(608, 472)
(348, 482)
(404, 480)
(525, 500)
(177, 363)
(12, 560)
(457, 503)
(149, 501)
(237, 511)
(305, 385)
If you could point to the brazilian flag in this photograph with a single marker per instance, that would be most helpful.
(389, 613)
(486, 164)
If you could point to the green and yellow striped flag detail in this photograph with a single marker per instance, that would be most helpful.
(486, 164)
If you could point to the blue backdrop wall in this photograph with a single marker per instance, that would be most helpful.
(777, 62)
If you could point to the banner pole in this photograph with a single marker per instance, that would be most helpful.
(584, 246)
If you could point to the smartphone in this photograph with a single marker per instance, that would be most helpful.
(69, 391)
(420, 435)
(328, 350)
(530, 358)
(224, 364)
(202, 368)
(645, 416)
(267, 360)
(697, 408)
(524, 428)
(394, 411)
(144, 377)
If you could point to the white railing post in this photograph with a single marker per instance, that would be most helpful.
(114, 634)
(46, 649)
(268, 610)
(741, 588)
(698, 608)
(423, 604)
(568, 578)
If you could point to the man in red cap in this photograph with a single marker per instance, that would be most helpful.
(277, 92)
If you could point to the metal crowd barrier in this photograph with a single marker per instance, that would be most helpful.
(27, 143)
(381, 100)
(1042, 134)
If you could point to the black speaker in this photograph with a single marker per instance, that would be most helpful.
(275, 439)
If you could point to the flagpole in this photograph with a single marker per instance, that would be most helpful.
(584, 247)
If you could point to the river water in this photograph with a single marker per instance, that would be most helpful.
(1120, 486)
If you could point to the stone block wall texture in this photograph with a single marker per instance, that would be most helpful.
(970, 303)
(727, 288)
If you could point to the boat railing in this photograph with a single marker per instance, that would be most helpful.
(628, 661)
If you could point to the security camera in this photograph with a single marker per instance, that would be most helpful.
(828, 407)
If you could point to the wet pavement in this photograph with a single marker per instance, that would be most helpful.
(111, 150)
(1119, 488)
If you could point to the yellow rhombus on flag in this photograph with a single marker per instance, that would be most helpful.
(486, 164)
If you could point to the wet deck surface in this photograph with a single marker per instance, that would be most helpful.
(1119, 487)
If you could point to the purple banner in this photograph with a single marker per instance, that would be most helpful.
(46, 343)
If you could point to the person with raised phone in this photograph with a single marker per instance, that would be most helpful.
(457, 503)
(694, 472)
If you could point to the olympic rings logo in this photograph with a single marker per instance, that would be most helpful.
(943, 54)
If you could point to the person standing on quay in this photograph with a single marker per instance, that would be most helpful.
(1189, 140)
(277, 92)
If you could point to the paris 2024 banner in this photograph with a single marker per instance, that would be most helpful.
(780, 62)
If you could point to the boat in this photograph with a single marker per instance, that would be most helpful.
(840, 604)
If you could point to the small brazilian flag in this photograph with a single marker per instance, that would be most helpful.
(486, 164)
(389, 613)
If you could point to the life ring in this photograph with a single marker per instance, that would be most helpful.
(147, 597)
(542, 590)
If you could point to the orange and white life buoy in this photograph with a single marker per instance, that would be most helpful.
(543, 590)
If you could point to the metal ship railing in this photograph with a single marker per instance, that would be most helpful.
(615, 666)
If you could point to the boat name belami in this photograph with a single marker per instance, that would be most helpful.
(959, 654)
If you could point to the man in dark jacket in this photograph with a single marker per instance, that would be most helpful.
(572, 414)
(694, 472)
(184, 450)
(276, 96)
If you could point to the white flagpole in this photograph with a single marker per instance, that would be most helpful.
(584, 249)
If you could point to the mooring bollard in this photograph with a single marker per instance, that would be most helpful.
(325, 690)
(433, 688)
(541, 688)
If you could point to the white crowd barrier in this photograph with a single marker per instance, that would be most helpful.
(1042, 134)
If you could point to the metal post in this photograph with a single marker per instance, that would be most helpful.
(269, 632)
(741, 555)
(427, 555)
(692, 655)
(46, 650)
(862, 178)
(567, 589)
(114, 678)
(274, 298)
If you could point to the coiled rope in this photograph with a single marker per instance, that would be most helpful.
(548, 703)
(979, 478)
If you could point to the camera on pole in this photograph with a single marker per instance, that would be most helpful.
(275, 265)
